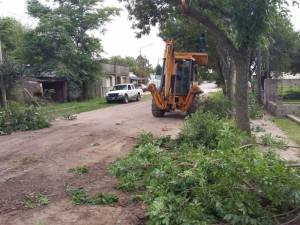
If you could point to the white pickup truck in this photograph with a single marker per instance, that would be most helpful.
(124, 92)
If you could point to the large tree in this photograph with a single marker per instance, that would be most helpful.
(283, 46)
(11, 35)
(63, 39)
(237, 25)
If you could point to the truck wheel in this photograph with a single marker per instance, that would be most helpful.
(125, 100)
(156, 112)
(107, 101)
(138, 97)
(195, 105)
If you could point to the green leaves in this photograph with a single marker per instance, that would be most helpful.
(17, 118)
(79, 170)
(79, 196)
(62, 41)
(31, 201)
(215, 183)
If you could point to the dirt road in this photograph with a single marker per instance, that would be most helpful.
(38, 162)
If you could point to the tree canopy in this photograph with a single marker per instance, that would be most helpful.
(63, 39)
(237, 25)
(11, 36)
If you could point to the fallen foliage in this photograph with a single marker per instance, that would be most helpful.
(21, 118)
(215, 182)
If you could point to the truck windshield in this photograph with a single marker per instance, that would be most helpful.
(120, 87)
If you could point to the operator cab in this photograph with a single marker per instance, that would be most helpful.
(182, 80)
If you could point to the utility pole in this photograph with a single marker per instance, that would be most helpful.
(141, 62)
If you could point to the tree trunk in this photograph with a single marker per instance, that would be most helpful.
(85, 91)
(258, 77)
(241, 60)
(242, 112)
(3, 93)
(219, 70)
(268, 63)
(230, 82)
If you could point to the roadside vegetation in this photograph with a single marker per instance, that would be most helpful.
(22, 119)
(291, 128)
(208, 175)
(290, 94)
(214, 181)
(80, 196)
(34, 200)
(55, 110)
(79, 170)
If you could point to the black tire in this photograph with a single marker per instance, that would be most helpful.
(138, 97)
(156, 112)
(195, 106)
(107, 101)
(125, 100)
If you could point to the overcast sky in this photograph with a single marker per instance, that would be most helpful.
(119, 38)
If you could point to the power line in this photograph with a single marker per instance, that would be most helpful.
(16, 14)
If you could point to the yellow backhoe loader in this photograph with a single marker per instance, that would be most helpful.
(179, 88)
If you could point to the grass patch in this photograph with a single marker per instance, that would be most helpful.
(290, 101)
(79, 170)
(80, 196)
(146, 97)
(37, 199)
(290, 93)
(70, 108)
(66, 110)
(291, 129)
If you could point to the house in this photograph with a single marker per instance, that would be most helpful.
(59, 86)
(114, 74)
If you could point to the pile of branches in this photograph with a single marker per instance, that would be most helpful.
(22, 119)
(219, 183)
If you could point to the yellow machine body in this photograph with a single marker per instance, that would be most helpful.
(179, 84)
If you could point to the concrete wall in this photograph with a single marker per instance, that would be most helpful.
(274, 103)
(115, 74)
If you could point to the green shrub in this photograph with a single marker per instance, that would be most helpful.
(275, 141)
(218, 104)
(200, 129)
(19, 118)
(184, 184)
(255, 111)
